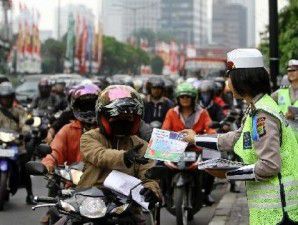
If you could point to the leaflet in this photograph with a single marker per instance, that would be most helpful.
(166, 146)
(223, 164)
(126, 185)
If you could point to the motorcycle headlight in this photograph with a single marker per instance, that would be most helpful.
(120, 209)
(93, 207)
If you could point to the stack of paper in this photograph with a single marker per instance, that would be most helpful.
(223, 164)
(124, 183)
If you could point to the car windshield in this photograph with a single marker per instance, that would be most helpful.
(28, 86)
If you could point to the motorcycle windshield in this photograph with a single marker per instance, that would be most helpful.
(91, 192)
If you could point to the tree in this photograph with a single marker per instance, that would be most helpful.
(157, 65)
(53, 52)
(121, 58)
(288, 35)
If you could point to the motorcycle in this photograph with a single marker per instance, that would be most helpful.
(182, 186)
(93, 205)
(9, 166)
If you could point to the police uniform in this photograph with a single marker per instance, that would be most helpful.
(288, 96)
(266, 144)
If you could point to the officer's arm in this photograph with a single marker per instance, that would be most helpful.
(220, 142)
(267, 149)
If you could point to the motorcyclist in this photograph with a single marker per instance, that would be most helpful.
(156, 105)
(190, 115)
(114, 145)
(65, 117)
(65, 145)
(59, 91)
(13, 117)
(187, 113)
(45, 101)
(206, 96)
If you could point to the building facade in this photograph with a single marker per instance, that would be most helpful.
(186, 20)
(121, 18)
(229, 25)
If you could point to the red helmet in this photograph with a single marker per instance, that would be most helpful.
(119, 109)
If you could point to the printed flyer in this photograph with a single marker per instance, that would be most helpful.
(166, 146)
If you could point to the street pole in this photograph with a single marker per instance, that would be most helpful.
(273, 42)
(59, 20)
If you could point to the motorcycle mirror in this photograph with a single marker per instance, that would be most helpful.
(156, 172)
(43, 150)
(36, 168)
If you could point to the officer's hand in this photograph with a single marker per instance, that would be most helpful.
(189, 136)
(216, 173)
(132, 156)
(149, 196)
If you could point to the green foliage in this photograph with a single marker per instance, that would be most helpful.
(157, 65)
(121, 58)
(53, 52)
(288, 35)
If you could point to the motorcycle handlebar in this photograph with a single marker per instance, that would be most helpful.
(45, 199)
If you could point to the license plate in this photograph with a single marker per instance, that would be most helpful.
(190, 156)
(7, 153)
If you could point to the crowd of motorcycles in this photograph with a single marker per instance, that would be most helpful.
(183, 182)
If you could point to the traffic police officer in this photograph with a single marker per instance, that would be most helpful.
(288, 96)
(264, 142)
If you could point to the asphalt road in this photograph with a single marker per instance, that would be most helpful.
(16, 211)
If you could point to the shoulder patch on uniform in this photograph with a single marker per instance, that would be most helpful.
(261, 126)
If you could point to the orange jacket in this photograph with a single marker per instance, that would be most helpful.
(65, 146)
(175, 122)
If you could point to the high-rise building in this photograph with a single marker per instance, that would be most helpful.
(121, 18)
(186, 20)
(61, 24)
(250, 6)
(229, 25)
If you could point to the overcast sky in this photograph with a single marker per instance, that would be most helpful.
(48, 7)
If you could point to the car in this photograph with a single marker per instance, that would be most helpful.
(28, 88)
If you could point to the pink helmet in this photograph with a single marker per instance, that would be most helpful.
(83, 100)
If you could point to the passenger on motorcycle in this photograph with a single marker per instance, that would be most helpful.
(65, 118)
(45, 101)
(13, 117)
(114, 145)
(156, 105)
(59, 91)
(206, 96)
(66, 144)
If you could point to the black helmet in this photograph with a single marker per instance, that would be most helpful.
(156, 82)
(3, 79)
(119, 110)
(44, 87)
(6, 89)
(7, 94)
(207, 91)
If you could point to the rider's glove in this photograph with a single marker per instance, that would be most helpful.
(150, 197)
(132, 156)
